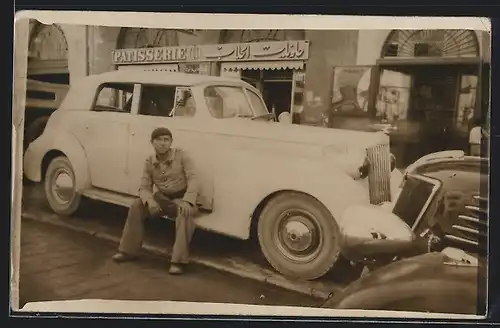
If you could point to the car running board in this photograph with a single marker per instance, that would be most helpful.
(117, 198)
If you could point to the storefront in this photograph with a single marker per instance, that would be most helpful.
(428, 84)
(48, 54)
(276, 68)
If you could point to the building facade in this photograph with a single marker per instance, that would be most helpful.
(429, 84)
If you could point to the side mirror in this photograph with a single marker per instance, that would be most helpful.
(368, 231)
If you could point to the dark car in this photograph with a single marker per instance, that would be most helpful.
(428, 252)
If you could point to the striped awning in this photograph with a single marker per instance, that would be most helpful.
(264, 65)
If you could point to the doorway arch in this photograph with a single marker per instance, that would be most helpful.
(48, 77)
(431, 43)
(48, 54)
(429, 87)
(135, 37)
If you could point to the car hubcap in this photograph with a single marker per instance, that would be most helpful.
(298, 236)
(63, 187)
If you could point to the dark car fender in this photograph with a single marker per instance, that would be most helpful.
(422, 283)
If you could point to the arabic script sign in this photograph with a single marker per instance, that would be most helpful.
(230, 52)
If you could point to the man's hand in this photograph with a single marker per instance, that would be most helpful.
(154, 208)
(186, 209)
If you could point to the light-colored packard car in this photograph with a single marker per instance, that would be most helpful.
(289, 182)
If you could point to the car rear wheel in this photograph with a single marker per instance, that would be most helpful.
(60, 187)
(298, 236)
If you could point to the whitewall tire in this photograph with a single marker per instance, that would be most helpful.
(298, 236)
(60, 187)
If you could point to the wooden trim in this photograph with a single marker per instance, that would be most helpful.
(40, 67)
(374, 90)
(427, 61)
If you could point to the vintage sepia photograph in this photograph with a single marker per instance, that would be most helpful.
(323, 168)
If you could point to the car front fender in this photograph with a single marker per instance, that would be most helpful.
(421, 283)
(329, 185)
(50, 145)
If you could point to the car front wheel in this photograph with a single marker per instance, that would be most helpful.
(298, 236)
(60, 187)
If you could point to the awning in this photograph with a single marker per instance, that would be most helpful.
(408, 61)
(264, 65)
(41, 67)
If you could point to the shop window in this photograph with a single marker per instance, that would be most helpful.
(393, 96)
(421, 49)
(114, 98)
(351, 87)
(391, 50)
(427, 50)
(227, 102)
(466, 102)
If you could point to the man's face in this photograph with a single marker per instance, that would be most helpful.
(162, 144)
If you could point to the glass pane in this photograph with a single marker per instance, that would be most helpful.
(257, 104)
(351, 90)
(466, 102)
(111, 98)
(226, 102)
(394, 96)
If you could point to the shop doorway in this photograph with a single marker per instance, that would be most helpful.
(431, 105)
(278, 96)
(276, 87)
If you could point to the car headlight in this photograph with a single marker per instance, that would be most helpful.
(364, 169)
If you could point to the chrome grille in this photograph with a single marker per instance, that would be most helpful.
(380, 174)
(471, 227)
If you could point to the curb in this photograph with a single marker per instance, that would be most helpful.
(272, 279)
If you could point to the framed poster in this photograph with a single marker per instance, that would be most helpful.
(351, 89)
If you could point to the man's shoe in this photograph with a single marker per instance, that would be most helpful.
(175, 269)
(123, 257)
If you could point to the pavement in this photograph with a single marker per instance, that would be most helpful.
(240, 258)
(62, 264)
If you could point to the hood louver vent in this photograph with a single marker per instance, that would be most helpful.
(471, 226)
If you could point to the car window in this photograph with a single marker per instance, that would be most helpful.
(227, 102)
(114, 97)
(258, 105)
(157, 100)
(184, 105)
(166, 101)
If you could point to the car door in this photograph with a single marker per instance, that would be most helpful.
(106, 136)
(156, 109)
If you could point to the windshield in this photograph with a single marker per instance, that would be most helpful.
(229, 101)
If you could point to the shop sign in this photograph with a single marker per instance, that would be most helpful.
(195, 68)
(230, 52)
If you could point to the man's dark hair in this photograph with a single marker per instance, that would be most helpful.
(158, 132)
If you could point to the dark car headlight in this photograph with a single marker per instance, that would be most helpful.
(364, 169)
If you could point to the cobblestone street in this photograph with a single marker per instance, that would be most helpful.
(60, 264)
(223, 252)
